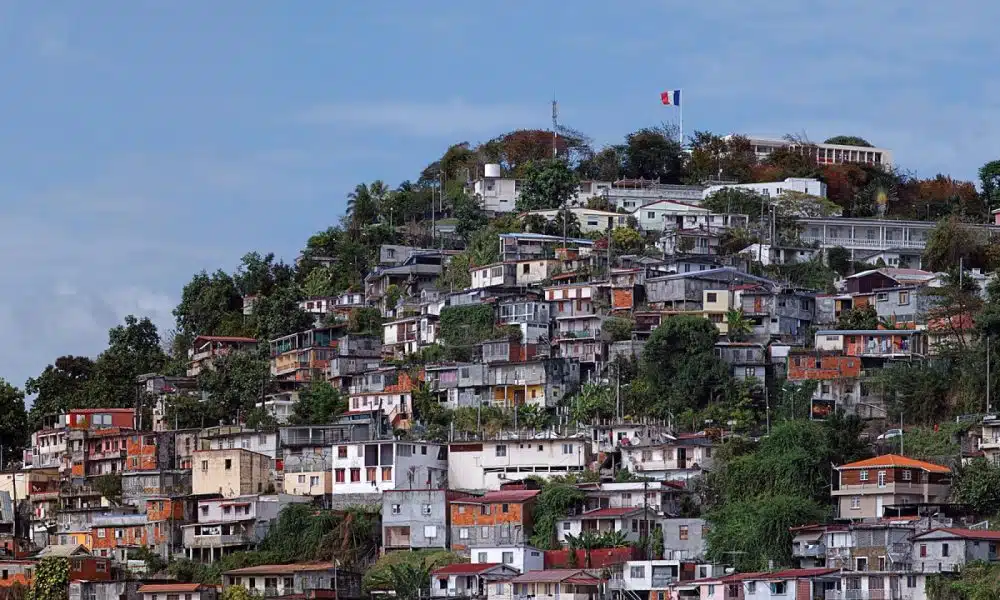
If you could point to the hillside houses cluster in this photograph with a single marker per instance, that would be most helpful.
(99, 485)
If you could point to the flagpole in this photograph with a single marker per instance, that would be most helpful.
(680, 107)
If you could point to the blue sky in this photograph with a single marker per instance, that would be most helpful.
(143, 141)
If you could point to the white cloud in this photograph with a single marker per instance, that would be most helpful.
(454, 117)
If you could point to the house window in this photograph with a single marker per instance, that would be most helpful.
(313, 481)
(751, 587)
(204, 465)
(355, 475)
(526, 268)
(229, 464)
(779, 588)
(749, 372)
(566, 525)
(881, 478)
(386, 473)
(504, 508)
(482, 558)
(911, 581)
(443, 583)
(427, 510)
(567, 448)
(507, 558)
(944, 549)
(637, 572)
(923, 550)
(484, 509)
(430, 531)
(341, 451)
(682, 532)
(501, 450)
(882, 297)
(710, 297)
(302, 478)
(204, 510)
(396, 509)
(855, 502)
(864, 475)
(339, 475)
(463, 533)
(907, 475)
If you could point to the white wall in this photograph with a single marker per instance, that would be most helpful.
(261, 443)
(813, 187)
(486, 470)
(525, 558)
(422, 463)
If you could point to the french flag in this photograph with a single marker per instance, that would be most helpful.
(671, 98)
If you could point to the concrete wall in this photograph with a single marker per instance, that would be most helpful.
(425, 512)
(231, 473)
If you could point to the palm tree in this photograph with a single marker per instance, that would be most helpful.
(738, 327)
(409, 581)
(364, 203)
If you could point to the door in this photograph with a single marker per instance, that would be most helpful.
(878, 507)
(682, 458)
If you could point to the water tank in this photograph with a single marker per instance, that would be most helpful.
(493, 170)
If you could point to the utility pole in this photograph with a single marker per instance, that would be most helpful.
(988, 344)
(555, 129)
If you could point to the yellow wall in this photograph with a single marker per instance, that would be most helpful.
(248, 472)
(303, 488)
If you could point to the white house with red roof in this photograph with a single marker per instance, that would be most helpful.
(467, 580)
(947, 550)
(867, 486)
(171, 591)
(806, 584)
(631, 521)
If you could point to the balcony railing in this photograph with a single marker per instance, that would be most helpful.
(865, 595)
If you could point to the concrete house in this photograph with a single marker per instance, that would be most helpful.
(367, 469)
(947, 550)
(231, 472)
(867, 486)
(523, 558)
(670, 458)
(468, 580)
(501, 518)
(633, 522)
(415, 519)
(539, 382)
(319, 578)
(177, 591)
(233, 524)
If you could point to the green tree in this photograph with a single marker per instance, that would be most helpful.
(14, 430)
(977, 581)
(680, 366)
(592, 403)
(750, 531)
(320, 282)
(738, 326)
(839, 259)
(133, 349)
(862, 317)
(989, 183)
(606, 165)
(210, 305)
(238, 381)
(110, 487)
(714, 158)
(365, 321)
(977, 484)
(552, 505)
(471, 217)
(319, 404)
(279, 314)
(627, 241)
(618, 329)
(364, 204)
(848, 140)
(237, 592)
(599, 203)
(380, 577)
(260, 275)
(60, 387)
(653, 153)
(547, 184)
(51, 581)
(950, 241)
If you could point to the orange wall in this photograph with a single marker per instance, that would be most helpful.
(801, 367)
(140, 456)
(162, 510)
(132, 535)
(472, 516)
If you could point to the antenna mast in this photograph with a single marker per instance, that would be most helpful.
(555, 128)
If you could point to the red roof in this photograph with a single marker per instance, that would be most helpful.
(895, 460)
(969, 534)
(464, 568)
(90, 411)
(280, 569)
(170, 587)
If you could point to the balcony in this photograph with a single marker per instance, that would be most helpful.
(216, 541)
(809, 550)
(865, 595)
(991, 442)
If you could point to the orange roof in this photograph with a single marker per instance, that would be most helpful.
(895, 460)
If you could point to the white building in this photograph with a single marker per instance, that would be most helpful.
(522, 558)
(536, 270)
(484, 465)
(989, 441)
(632, 522)
(373, 467)
(677, 459)
(530, 316)
(494, 275)
(826, 154)
(774, 189)
(590, 220)
(48, 446)
(172, 591)
(468, 580)
(948, 550)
